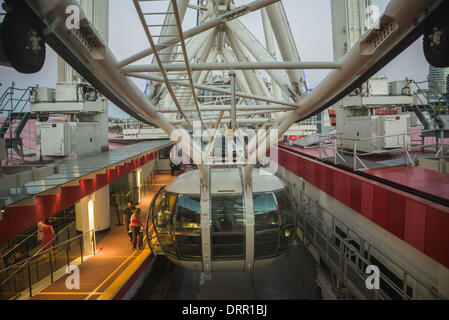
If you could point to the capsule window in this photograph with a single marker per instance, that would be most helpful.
(266, 215)
(228, 225)
(287, 212)
(188, 214)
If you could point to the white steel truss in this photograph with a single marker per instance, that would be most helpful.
(189, 64)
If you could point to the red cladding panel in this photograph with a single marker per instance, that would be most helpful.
(380, 206)
(346, 189)
(330, 182)
(301, 167)
(415, 224)
(356, 194)
(396, 214)
(337, 186)
(367, 198)
(437, 235)
(323, 178)
(310, 172)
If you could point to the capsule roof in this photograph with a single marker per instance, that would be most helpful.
(225, 181)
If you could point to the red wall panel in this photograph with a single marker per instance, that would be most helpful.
(338, 191)
(346, 189)
(437, 235)
(367, 200)
(415, 224)
(323, 178)
(380, 206)
(356, 194)
(396, 214)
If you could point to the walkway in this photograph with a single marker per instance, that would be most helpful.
(100, 273)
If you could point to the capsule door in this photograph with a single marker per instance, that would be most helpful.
(163, 218)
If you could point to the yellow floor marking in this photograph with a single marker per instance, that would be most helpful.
(70, 293)
(124, 277)
(105, 280)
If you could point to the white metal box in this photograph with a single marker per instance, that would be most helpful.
(54, 139)
(41, 94)
(400, 88)
(376, 87)
(376, 126)
(70, 139)
(68, 92)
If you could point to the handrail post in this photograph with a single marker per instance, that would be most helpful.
(355, 155)
(67, 254)
(405, 150)
(81, 249)
(51, 266)
(29, 279)
(93, 240)
(335, 150)
(37, 270)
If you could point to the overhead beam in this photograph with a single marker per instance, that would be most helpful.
(268, 65)
(214, 89)
(228, 16)
(254, 121)
(262, 108)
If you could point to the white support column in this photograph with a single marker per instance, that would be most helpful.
(249, 221)
(205, 225)
(93, 212)
(259, 53)
(133, 185)
(241, 55)
(245, 83)
(269, 42)
(242, 84)
(286, 42)
(233, 109)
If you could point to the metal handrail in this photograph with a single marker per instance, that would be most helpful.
(9, 251)
(56, 236)
(23, 263)
(388, 136)
(307, 199)
(405, 148)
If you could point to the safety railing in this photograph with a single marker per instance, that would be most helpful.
(335, 147)
(21, 276)
(14, 99)
(348, 255)
(28, 245)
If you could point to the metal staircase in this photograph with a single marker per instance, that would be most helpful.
(14, 102)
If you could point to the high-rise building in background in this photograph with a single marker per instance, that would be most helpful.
(438, 80)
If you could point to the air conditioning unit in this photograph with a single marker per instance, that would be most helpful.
(401, 88)
(42, 95)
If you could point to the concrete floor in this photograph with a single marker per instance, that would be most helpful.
(292, 277)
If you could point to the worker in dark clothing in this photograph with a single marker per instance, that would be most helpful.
(127, 218)
(173, 168)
